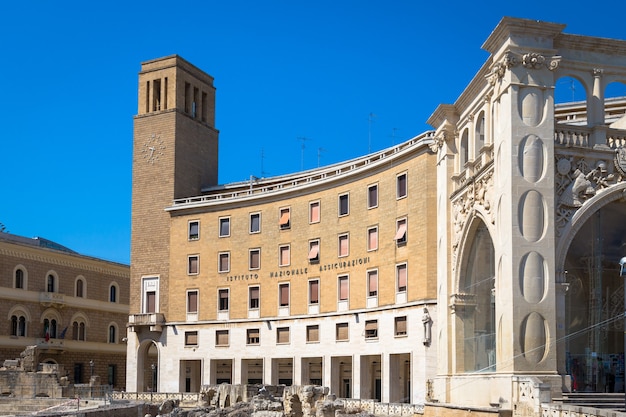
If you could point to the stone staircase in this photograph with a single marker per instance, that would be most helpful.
(604, 400)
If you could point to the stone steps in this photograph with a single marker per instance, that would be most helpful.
(613, 401)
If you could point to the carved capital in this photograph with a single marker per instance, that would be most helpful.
(597, 72)
(535, 60)
(530, 60)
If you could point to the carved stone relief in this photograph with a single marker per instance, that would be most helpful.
(477, 194)
(577, 179)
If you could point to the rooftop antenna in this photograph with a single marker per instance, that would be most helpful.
(262, 160)
(393, 135)
(370, 119)
(319, 155)
(302, 139)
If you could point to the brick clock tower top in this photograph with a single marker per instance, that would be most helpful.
(175, 149)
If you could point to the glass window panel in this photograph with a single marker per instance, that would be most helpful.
(343, 288)
(314, 212)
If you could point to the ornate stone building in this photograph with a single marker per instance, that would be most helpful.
(531, 231)
(73, 308)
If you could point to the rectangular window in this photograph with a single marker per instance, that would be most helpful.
(372, 238)
(314, 251)
(401, 277)
(223, 299)
(372, 196)
(342, 331)
(371, 329)
(372, 283)
(282, 335)
(223, 262)
(221, 338)
(343, 288)
(253, 336)
(151, 302)
(191, 338)
(192, 301)
(400, 326)
(314, 212)
(344, 245)
(255, 293)
(401, 227)
(314, 291)
(194, 230)
(284, 255)
(255, 259)
(204, 106)
(193, 264)
(401, 186)
(255, 223)
(283, 295)
(284, 222)
(224, 226)
(187, 97)
(344, 205)
(313, 333)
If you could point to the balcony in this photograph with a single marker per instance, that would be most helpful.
(52, 345)
(154, 321)
(52, 299)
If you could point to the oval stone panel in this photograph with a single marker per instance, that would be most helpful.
(532, 216)
(531, 105)
(531, 158)
(534, 338)
(532, 272)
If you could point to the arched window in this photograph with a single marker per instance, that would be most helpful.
(113, 293)
(18, 325)
(19, 278)
(463, 150)
(112, 334)
(78, 330)
(51, 283)
(80, 287)
(479, 134)
(50, 328)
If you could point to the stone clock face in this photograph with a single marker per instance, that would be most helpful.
(153, 148)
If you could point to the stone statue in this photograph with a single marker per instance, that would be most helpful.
(427, 322)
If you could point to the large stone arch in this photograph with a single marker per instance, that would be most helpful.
(601, 199)
(472, 303)
(591, 307)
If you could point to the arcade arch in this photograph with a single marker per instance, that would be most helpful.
(593, 339)
(475, 304)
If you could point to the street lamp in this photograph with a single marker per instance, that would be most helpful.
(91, 364)
(153, 366)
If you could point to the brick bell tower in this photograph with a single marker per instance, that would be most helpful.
(175, 151)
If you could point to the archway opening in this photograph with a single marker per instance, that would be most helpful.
(478, 321)
(148, 367)
(594, 302)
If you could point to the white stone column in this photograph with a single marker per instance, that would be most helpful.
(356, 376)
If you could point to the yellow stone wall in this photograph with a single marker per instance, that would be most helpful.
(418, 207)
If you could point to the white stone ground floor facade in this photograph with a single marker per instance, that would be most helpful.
(382, 366)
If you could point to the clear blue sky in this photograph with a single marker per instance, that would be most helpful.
(283, 70)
